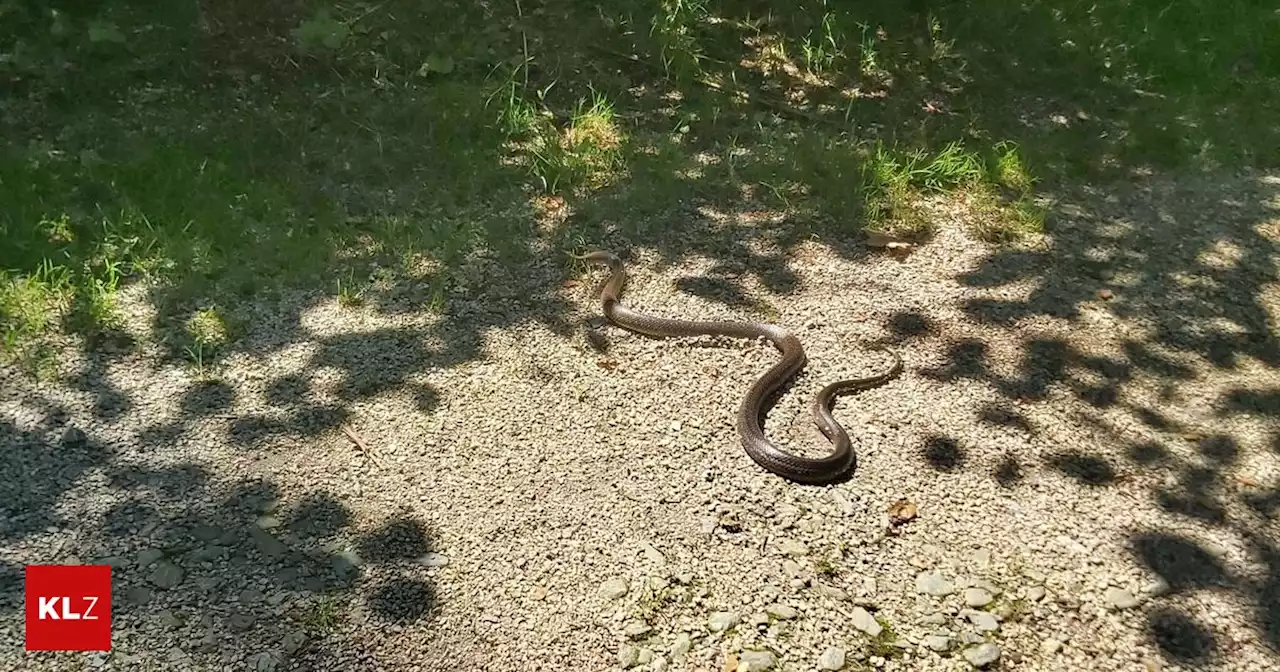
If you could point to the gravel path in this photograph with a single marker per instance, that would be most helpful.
(1086, 439)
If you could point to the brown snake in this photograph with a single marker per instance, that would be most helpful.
(835, 466)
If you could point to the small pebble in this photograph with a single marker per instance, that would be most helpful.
(1050, 646)
(681, 646)
(613, 589)
(934, 583)
(628, 656)
(755, 661)
(721, 621)
(864, 621)
(831, 659)
(1121, 599)
(781, 611)
(982, 655)
(636, 629)
(939, 643)
(977, 597)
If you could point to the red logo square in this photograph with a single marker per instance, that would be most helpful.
(68, 607)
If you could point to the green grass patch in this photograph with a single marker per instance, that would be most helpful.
(212, 153)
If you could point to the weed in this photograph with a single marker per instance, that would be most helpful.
(207, 333)
(885, 643)
(323, 616)
(826, 568)
(821, 51)
(348, 296)
(674, 27)
(588, 153)
(995, 221)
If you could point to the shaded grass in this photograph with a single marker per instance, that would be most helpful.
(215, 152)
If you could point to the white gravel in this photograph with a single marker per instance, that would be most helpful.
(1096, 480)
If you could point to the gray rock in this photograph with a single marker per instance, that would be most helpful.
(793, 547)
(1121, 599)
(434, 560)
(758, 619)
(628, 656)
(781, 611)
(251, 596)
(982, 655)
(721, 621)
(1156, 588)
(981, 620)
(264, 661)
(166, 575)
(939, 643)
(681, 646)
(831, 659)
(864, 621)
(653, 555)
(267, 545)
(659, 664)
(755, 661)
(149, 557)
(791, 567)
(937, 618)
(206, 533)
(74, 437)
(169, 619)
(1050, 646)
(241, 620)
(977, 597)
(830, 591)
(636, 629)
(613, 589)
(684, 579)
(846, 507)
(644, 657)
(293, 641)
(138, 595)
(987, 586)
(969, 637)
(934, 583)
(981, 558)
(1035, 593)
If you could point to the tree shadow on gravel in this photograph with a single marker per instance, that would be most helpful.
(206, 570)
(1194, 264)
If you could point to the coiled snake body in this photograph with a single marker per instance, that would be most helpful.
(766, 453)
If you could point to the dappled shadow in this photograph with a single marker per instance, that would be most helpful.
(1180, 636)
(943, 453)
(307, 171)
(238, 570)
(1089, 470)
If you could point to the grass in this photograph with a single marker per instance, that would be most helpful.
(213, 153)
(883, 644)
(323, 616)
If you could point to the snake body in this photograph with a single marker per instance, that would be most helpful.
(836, 465)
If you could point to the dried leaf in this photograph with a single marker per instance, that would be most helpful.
(607, 363)
(901, 512)
(730, 663)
